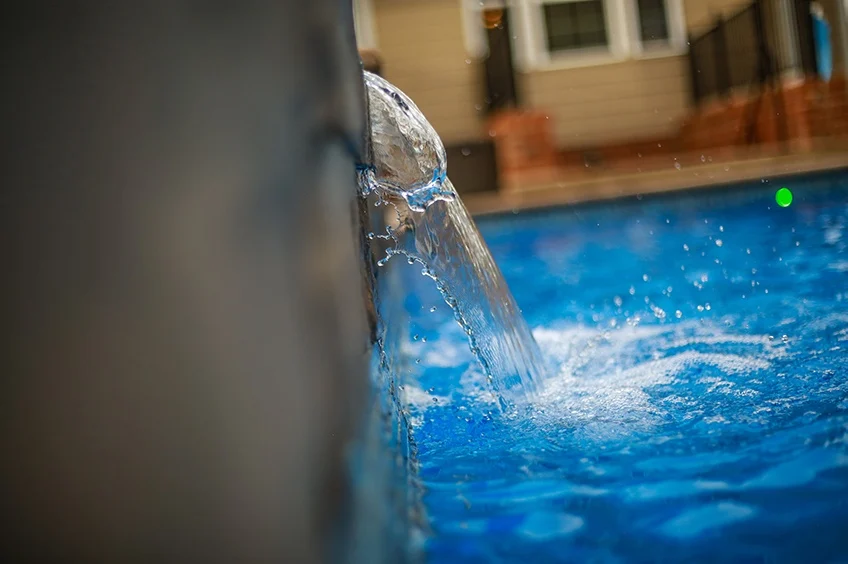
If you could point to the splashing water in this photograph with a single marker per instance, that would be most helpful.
(427, 224)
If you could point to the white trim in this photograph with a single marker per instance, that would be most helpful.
(473, 34)
(364, 24)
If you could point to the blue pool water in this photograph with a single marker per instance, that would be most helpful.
(697, 402)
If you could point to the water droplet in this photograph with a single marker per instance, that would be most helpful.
(432, 309)
(785, 339)
(466, 151)
(685, 247)
(415, 337)
(645, 278)
(617, 301)
(700, 308)
(703, 159)
(677, 166)
(632, 291)
(719, 242)
(721, 228)
(678, 314)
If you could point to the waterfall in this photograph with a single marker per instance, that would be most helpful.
(425, 223)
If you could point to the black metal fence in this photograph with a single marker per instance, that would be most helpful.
(751, 47)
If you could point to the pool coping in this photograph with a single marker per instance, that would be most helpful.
(614, 185)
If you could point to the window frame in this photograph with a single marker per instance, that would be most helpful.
(677, 43)
(576, 50)
(543, 57)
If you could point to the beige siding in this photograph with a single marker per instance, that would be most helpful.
(421, 43)
(702, 14)
(626, 101)
(423, 53)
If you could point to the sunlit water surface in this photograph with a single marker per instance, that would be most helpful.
(697, 402)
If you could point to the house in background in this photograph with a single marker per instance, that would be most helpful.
(540, 84)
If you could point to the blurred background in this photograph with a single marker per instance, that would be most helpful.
(555, 101)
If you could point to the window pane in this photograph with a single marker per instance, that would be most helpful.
(653, 24)
(575, 25)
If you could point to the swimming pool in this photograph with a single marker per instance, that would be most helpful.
(697, 402)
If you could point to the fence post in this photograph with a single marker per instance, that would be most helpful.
(722, 64)
(806, 41)
(694, 72)
(764, 64)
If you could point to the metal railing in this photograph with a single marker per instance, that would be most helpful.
(751, 47)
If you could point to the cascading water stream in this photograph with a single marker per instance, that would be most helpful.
(427, 224)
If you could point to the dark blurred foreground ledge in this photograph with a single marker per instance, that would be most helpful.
(184, 339)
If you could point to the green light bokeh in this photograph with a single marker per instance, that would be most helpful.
(783, 197)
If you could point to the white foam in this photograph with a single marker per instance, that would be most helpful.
(422, 400)
(604, 378)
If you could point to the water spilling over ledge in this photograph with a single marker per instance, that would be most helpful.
(424, 221)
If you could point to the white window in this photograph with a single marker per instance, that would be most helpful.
(549, 34)
(653, 21)
(657, 28)
(572, 33)
(575, 25)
